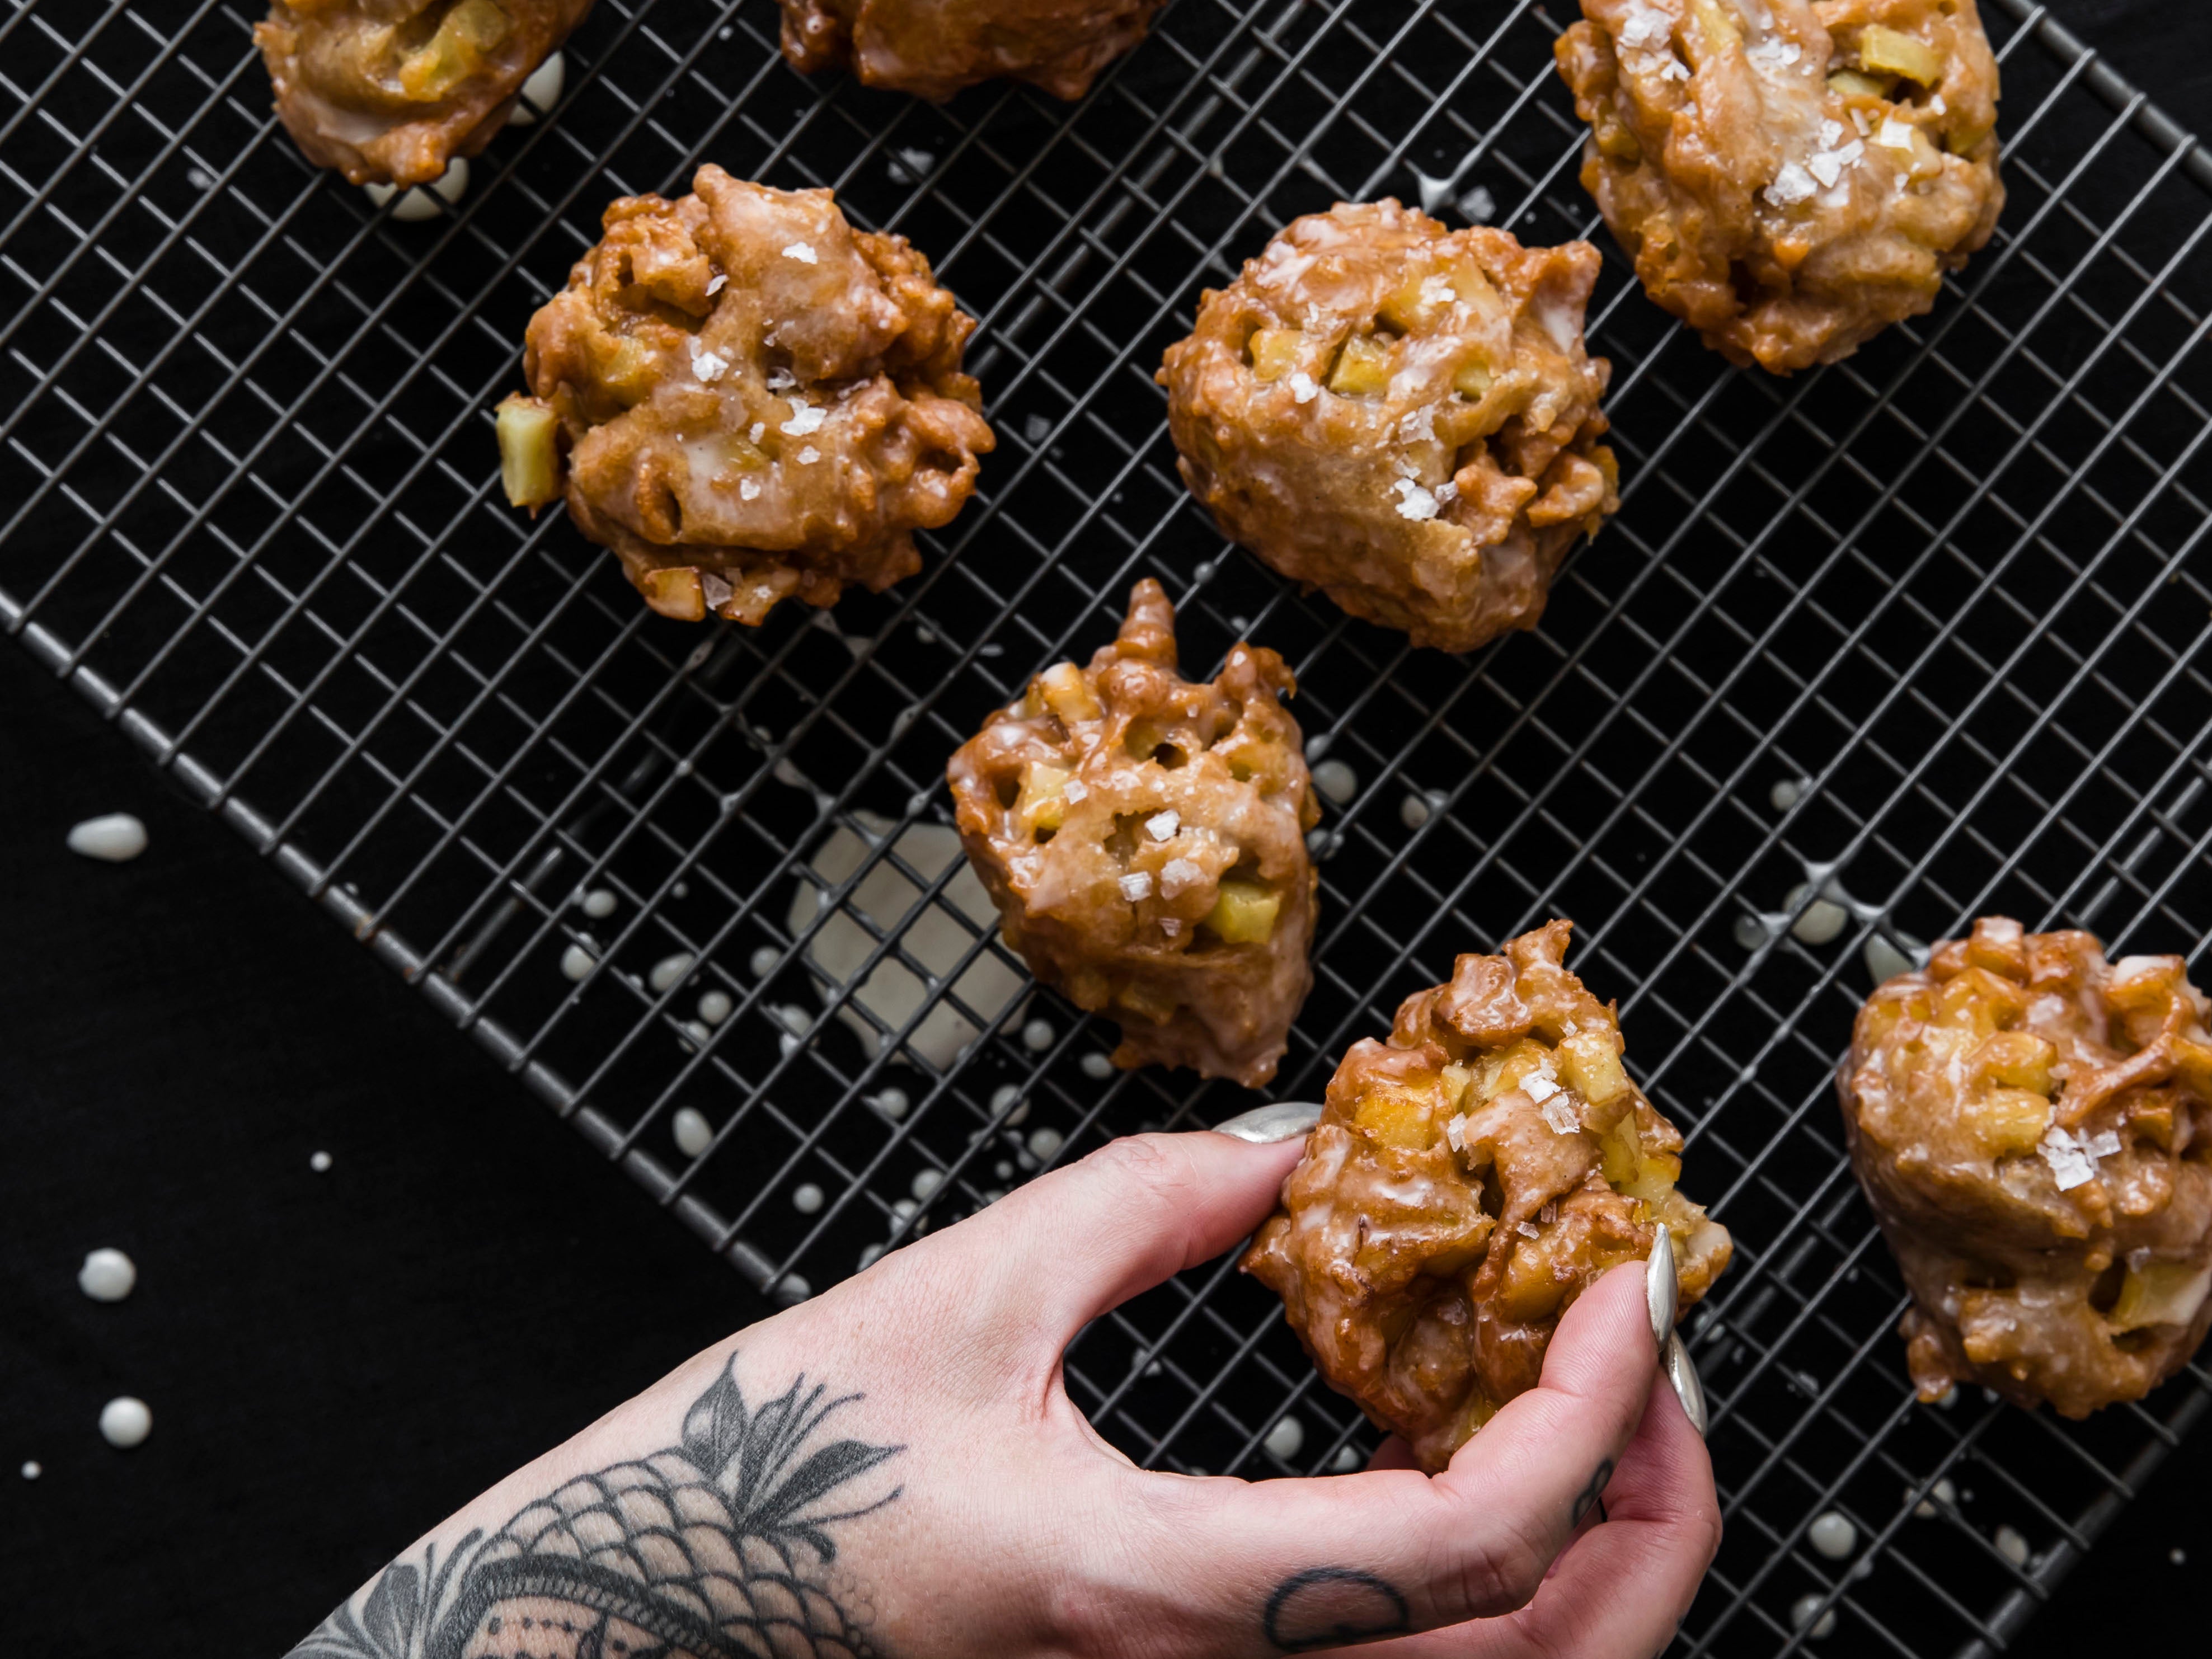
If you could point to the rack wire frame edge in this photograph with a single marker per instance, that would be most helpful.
(389, 946)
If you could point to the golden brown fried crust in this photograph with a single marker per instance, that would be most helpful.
(1124, 819)
(1401, 416)
(2033, 1128)
(756, 401)
(389, 91)
(1467, 1181)
(1780, 191)
(932, 48)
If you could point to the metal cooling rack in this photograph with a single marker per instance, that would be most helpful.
(1867, 653)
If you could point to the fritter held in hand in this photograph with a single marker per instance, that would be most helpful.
(933, 48)
(2033, 1127)
(1790, 179)
(389, 91)
(1144, 838)
(1401, 416)
(1468, 1181)
(748, 400)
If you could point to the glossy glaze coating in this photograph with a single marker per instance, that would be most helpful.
(2033, 1128)
(932, 48)
(1401, 416)
(1468, 1179)
(757, 402)
(1780, 189)
(1144, 837)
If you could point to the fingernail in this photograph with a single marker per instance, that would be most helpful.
(1661, 1287)
(1684, 1376)
(1263, 1126)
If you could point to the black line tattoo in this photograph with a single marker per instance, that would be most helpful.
(1329, 1606)
(715, 1547)
(1592, 1497)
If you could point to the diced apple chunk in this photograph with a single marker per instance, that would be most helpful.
(1856, 84)
(1275, 352)
(1244, 912)
(1474, 379)
(2160, 1293)
(1589, 1064)
(1885, 51)
(1397, 1117)
(1042, 804)
(1631, 1169)
(2017, 1059)
(676, 593)
(1068, 695)
(469, 30)
(529, 454)
(2009, 1120)
(1717, 33)
(1363, 368)
(1511, 1068)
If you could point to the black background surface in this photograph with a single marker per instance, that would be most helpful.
(335, 1361)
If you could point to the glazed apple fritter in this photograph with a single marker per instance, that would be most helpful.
(389, 91)
(1790, 177)
(932, 48)
(1401, 416)
(748, 400)
(1468, 1181)
(1144, 838)
(2032, 1125)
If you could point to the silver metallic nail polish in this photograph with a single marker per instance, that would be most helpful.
(1287, 1120)
(1684, 1376)
(1660, 1286)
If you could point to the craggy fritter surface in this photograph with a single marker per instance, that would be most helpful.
(757, 402)
(1144, 838)
(1468, 1181)
(2033, 1128)
(1780, 191)
(933, 48)
(1401, 416)
(389, 91)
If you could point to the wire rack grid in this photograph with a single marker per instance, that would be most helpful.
(1867, 653)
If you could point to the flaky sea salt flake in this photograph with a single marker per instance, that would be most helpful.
(1793, 183)
(1644, 26)
(800, 252)
(1303, 389)
(1136, 885)
(2070, 1163)
(1162, 826)
(1414, 502)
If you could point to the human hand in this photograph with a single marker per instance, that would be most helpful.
(896, 1467)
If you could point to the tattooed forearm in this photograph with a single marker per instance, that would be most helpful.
(720, 1544)
(1592, 1497)
(1329, 1606)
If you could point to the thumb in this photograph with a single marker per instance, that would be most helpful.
(1136, 1212)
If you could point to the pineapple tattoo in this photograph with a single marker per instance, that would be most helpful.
(717, 1546)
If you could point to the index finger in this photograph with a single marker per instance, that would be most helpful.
(1289, 1566)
